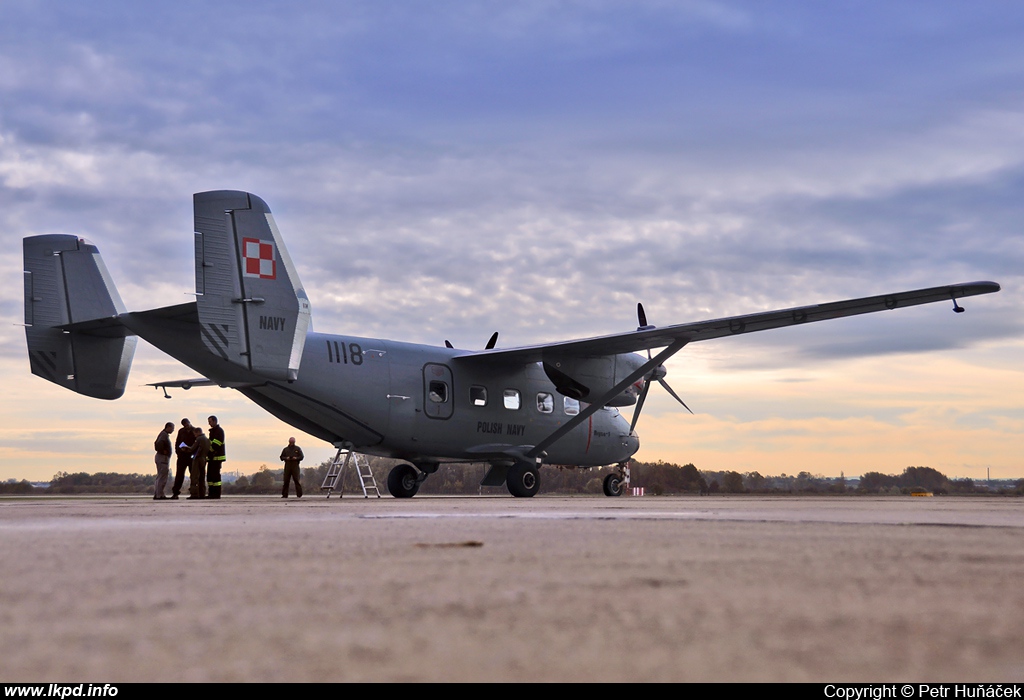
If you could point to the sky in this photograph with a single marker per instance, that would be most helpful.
(443, 170)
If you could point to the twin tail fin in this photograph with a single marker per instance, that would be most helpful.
(71, 310)
(253, 310)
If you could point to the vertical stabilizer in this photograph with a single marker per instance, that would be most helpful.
(253, 310)
(67, 285)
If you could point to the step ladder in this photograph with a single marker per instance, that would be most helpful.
(335, 479)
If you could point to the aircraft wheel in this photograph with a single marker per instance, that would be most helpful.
(523, 480)
(402, 481)
(613, 485)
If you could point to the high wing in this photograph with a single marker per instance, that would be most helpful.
(635, 341)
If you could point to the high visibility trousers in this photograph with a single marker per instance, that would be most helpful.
(213, 479)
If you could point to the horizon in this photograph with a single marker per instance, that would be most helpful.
(238, 474)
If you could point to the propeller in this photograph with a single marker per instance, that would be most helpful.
(657, 375)
(490, 343)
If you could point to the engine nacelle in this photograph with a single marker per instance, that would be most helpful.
(588, 378)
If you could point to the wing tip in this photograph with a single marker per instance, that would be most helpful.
(980, 287)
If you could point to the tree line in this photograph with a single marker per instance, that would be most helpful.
(656, 478)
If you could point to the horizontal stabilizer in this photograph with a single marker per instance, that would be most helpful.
(185, 384)
(67, 291)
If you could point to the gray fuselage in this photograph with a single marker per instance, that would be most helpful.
(419, 403)
(413, 402)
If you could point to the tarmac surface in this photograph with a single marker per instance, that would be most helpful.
(898, 589)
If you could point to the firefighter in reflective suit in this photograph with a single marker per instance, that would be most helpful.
(216, 458)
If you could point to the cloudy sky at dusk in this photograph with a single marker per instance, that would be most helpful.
(448, 169)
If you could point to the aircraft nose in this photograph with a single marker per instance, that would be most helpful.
(630, 440)
(631, 443)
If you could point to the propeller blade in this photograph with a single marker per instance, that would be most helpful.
(674, 394)
(641, 318)
(639, 406)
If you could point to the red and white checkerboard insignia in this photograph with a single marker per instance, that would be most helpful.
(258, 259)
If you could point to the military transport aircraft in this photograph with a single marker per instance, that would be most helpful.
(249, 329)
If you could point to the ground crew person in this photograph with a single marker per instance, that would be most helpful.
(216, 459)
(183, 448)
(197, 473)
(292, 455)
(162, 445)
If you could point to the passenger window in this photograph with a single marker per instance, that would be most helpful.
(571, 406)
(545, 402)
(438, 392)
(512, 399)
(478, 395)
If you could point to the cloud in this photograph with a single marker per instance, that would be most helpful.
(537, 168)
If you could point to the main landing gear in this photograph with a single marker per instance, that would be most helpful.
(403, 481)
(522, 481)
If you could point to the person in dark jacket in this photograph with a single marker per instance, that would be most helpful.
(217, 457)
(292, 455)
(183, 449)
(162, 445)
(200, 452)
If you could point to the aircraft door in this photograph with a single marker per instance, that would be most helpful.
(438, 394)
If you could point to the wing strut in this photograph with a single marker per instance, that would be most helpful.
(593, 408)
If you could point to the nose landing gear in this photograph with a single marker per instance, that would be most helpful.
(616, 482)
